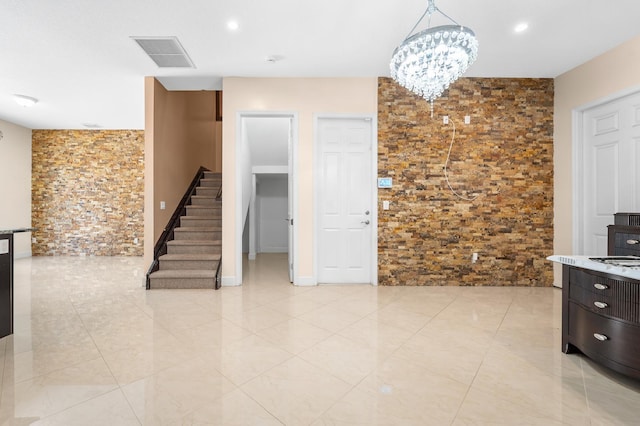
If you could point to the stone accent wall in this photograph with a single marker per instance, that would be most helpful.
(87, 192)
(504, 157)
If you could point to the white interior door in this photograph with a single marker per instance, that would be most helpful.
(610, 179)
(344, 201)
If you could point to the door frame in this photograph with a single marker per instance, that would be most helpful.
(578, 162)
(373, 119)
(240, 135)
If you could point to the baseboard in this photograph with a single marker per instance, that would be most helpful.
(22, 255)
(229, 281)
(251, 256)
(306, 281)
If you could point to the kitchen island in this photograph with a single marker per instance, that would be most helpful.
(601, 309)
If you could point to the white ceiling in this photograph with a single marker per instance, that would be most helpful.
(77, 57)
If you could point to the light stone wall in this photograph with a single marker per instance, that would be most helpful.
(87, 192)
(505, 156)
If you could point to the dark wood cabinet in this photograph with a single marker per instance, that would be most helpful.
(6, 284)
(601, 311)
(601, 318)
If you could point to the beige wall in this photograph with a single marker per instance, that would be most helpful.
(180, 132)
(613, 72)
(305, 97)
(15, 184)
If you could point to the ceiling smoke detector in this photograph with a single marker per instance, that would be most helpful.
(166, 52)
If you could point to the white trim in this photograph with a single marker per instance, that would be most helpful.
(229, 281)
(22, 255)
(306, 282)
(374, 192)
(577, 148)
(252, 219)
(240, 115)
(270, 170)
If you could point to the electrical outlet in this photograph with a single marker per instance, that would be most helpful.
(474, 257)
(163, 205)
(445, 119)
(135, 240)
(385, 205)
(467, 119)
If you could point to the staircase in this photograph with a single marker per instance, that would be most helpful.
(192, 256)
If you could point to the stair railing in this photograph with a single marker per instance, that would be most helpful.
(167, 234)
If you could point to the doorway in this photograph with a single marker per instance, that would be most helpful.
(346, 207)
(606, 176)
(266, 179)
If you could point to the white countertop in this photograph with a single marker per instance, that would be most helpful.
(586, 263)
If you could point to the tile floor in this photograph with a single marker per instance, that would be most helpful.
(92, 347)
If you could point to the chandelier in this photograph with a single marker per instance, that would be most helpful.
(427, 62)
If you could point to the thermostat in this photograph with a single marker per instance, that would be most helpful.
(384, 182)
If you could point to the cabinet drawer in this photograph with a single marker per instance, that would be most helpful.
(621, 341)
(622, 298)
(627, 244)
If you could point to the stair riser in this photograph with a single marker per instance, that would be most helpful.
(206, 191)
(212, 249)
(211, 183)
(212, 175)
(207, 211)
(188, 264)
(182, 283)
(191, 235)
(188, 221)
(205, 202)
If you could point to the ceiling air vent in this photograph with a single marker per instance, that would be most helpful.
(166, 52)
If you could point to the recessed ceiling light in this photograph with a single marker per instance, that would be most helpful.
(25, 101)
(233, 25)
(522, 26)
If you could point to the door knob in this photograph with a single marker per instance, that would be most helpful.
(366, 222)
(367, 212)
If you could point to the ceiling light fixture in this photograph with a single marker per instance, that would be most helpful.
(233, 25)
(427, 62)
(521, 27)
(25, 101)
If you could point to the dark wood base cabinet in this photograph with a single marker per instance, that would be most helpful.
(601, 318)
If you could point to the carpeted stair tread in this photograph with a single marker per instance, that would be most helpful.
(194, 242)
(191, 256)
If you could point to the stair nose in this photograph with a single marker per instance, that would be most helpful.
(212, 211)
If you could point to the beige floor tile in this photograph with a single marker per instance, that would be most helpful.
(105, 410)
(374, 334)
(257, 319)
(233, 409)
(345, 359)
(213, 335)
(245, 359)
(398, 393)
(56, 391)
(296, 392)
(294, 335)
(330, 318)
(168, 396)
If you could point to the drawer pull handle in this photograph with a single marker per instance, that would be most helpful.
(600, 305)
(633, 241)
(600, 337)
(601, 286)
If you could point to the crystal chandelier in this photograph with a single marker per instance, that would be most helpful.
(427, 62)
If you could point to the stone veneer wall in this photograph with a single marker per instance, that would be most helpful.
(87, 192)
(504, 156)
